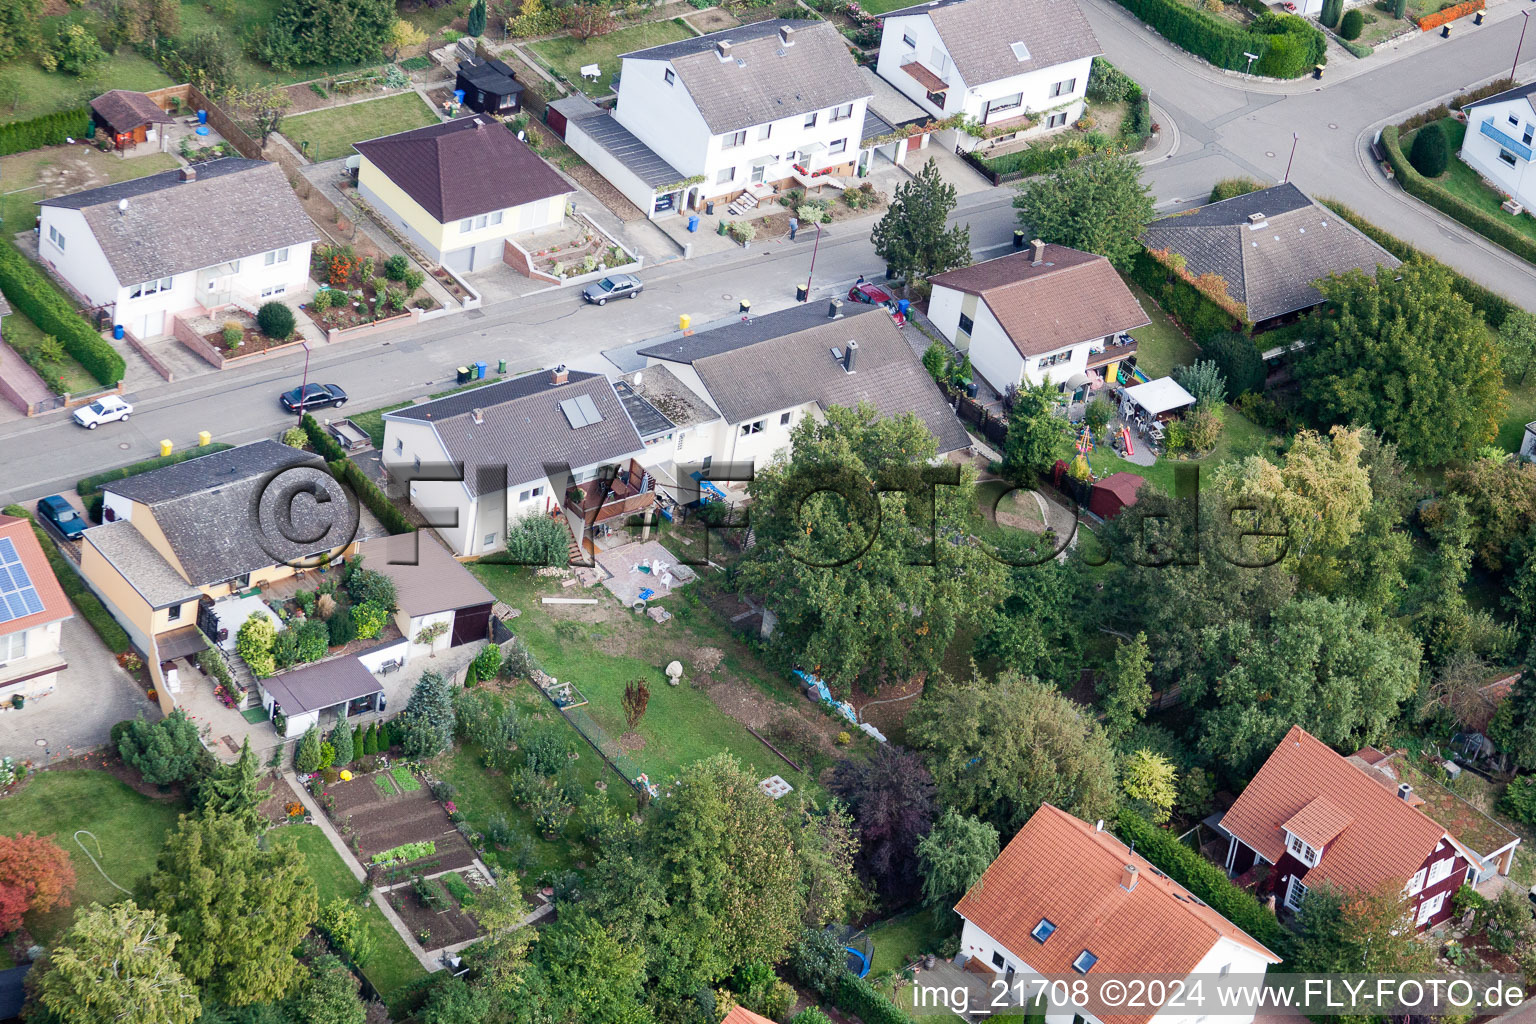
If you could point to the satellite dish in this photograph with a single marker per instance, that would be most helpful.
(522, 136)
(122, 206)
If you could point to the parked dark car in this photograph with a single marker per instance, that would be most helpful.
(614, 286)
(313, 396)
(56, 510)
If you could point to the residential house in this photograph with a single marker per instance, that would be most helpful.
(698, 121)
(33, 610)
(460, 189)
(694, 426)
(1013, 67)
(554, 444)
(893, 123)
(128, 118)
(1065, 898)
(226, 232)
(178, 546)
(1311, 816)
(1501, 131)
(764, 375)
(1269, 248)
(431, 587)
(489, 86)
(742, 1015)
(1046, 314)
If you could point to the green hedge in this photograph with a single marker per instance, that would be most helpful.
(87, 487)
(1204, 879)
(91, 608)
(323, 444)
(1427, 191)
(1491, 304)
(856, 996)
(1199, 316)
(32, 294)
(1224, 42)
(47, 130)
(369, 494)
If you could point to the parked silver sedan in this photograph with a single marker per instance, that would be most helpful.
(614, 286)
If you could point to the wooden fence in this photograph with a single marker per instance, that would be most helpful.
(192, 99)
(987, 423)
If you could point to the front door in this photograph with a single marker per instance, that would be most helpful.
(151, 325)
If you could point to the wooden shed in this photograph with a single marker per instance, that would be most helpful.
(490, 86)
(128, 118)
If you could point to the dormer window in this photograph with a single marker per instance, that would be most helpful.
(1303, 851)
(1042, 930)
(1020, 52)
(1084, 962)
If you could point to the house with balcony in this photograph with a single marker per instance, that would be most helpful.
(33, 610)
(560, 444)
(1046, 314)
(184, 553)
(1312, 816)
(197, 239)
(775, 104)
(1016, 68)
(1501, 133)
(460, 189)
(1067, 899)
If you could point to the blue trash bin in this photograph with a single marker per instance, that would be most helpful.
(117, 331)
(693, 222)
(202, 117)
(480, 371)
(458, 96)
(903, 305)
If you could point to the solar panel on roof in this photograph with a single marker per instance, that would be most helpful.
(580, 411)
(18, 597)
(8, 551)
(589, 408)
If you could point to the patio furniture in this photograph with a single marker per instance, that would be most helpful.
(591, 72)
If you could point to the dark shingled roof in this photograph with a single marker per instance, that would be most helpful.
(124, 111)
(979, 35)
(646, 164)
(1269, 268)
(524, 428)
(768, 363)
(463, 168)
(321, 685)
(427, 578)
(234, 209)
(490, 76)
(208, 509)
(763, 80)
(1068, 298)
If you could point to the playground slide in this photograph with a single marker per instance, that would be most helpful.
(1125, 435)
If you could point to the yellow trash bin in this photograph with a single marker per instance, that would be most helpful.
(683, 322)
(204, 438)
(166, 446)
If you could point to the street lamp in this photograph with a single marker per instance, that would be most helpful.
(814, 249)
(1294, 137)
(305, 383)
(1523, 26)
(1251, 58)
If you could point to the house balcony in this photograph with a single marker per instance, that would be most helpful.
(1102, 355)
(600, 502)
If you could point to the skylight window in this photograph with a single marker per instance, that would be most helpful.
(1043, 930)
(1084, 962)
(1020, 51)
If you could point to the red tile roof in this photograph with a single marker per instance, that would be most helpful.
(1069, 297)
(1318, 823)
(1385, 838)
(742, 1015)
(55, 605)
(1069, 872)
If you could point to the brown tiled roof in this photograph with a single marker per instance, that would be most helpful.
(763, 80)
(1068, 872)
(1385, 839)
(979, 35)
(427, 578)
(464, 168)
(925, 78)
(124, 111)
(55, 605)
(1068, 298)
(1318, 823)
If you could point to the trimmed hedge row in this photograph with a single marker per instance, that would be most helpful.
(1494, 307)
(90, 606)
(1204, 879)
(89, 486)
(46, 130)
(37, 299)
(1223, 42)
(369, 494)
(1427, 191)
(856, 996)
(1198, 315)
(323, 444)
(1449, 14)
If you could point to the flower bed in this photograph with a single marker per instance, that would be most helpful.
(1450, 14)
(250, 341)
(355, 290)
(585, 255)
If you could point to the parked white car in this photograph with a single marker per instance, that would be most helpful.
(103, 410)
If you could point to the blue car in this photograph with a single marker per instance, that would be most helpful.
(62, 515)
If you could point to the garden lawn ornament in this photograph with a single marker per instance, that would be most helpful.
(674, 672)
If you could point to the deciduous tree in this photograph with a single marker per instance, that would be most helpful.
(592, 975)
(18, 25)
(953, 857)
(1517, 344)
(1124, 694)
(1151, 782)
(264, 107)
(1099, 205)
(892, 799)
(402, 36)
(329, 995)
(636, 696)
(584, 21)
(115, 965)
(1034, 440)
(34, 875)
(1501, 499)
(1350, 931)
(914, 236)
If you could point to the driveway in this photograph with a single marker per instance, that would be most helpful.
(91, 696)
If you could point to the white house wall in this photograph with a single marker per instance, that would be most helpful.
(405, 441)
(662, 116)
(421, 622)
(785, 136)
(1482, 153)
(920, 28)
(81, 262)
(612, 169)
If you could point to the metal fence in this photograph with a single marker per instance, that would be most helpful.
(597, 737)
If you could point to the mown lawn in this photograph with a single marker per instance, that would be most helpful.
(1161, 347)
(392, 964)
(45, 173)
(130, 827)
(38, 92)
(1519, 410)
(1467, 185)
(566, 56)
(330, 133)
(900, 940)
(1240, 437)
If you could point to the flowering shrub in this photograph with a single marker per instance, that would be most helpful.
(8, 772)
(294, 809)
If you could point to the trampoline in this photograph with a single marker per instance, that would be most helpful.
(857, 944)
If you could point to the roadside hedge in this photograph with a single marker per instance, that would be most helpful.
(90, 606)
(32, 294)
(1427, 191)
(370, 495)
(856, 996)
(90, 486)
(1494, 307)
(323, 444)
(1298, 45)
(1204, 879)
(1196, 313)
(1449, 14)
(46, 130)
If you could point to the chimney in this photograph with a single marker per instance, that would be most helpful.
(723, 49)
(478, 415)
(787, 35)
(1256, 221)
(187, 174)
(559, 375)
(1128, 878)
(848, 356)
(1038, 247)
(834, 309)
(1405, 792)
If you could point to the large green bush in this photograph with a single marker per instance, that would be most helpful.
(1352, 25)
(858, 997)
(1238, 359)
(1224, 43)
(47, 130)
(1431, 152)
(31, 294)
(1199, 316)
(275, 320)
(369, 494)
(1330, 13)
(323, 444)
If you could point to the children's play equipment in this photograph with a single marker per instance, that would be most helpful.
(1125, 435)
(861, 950)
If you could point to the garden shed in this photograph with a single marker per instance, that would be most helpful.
(1114, 494)
(343, 685)
(431, 587)
(489, 86)
(128, 118)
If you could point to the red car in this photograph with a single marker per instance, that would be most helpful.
(875, 296)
